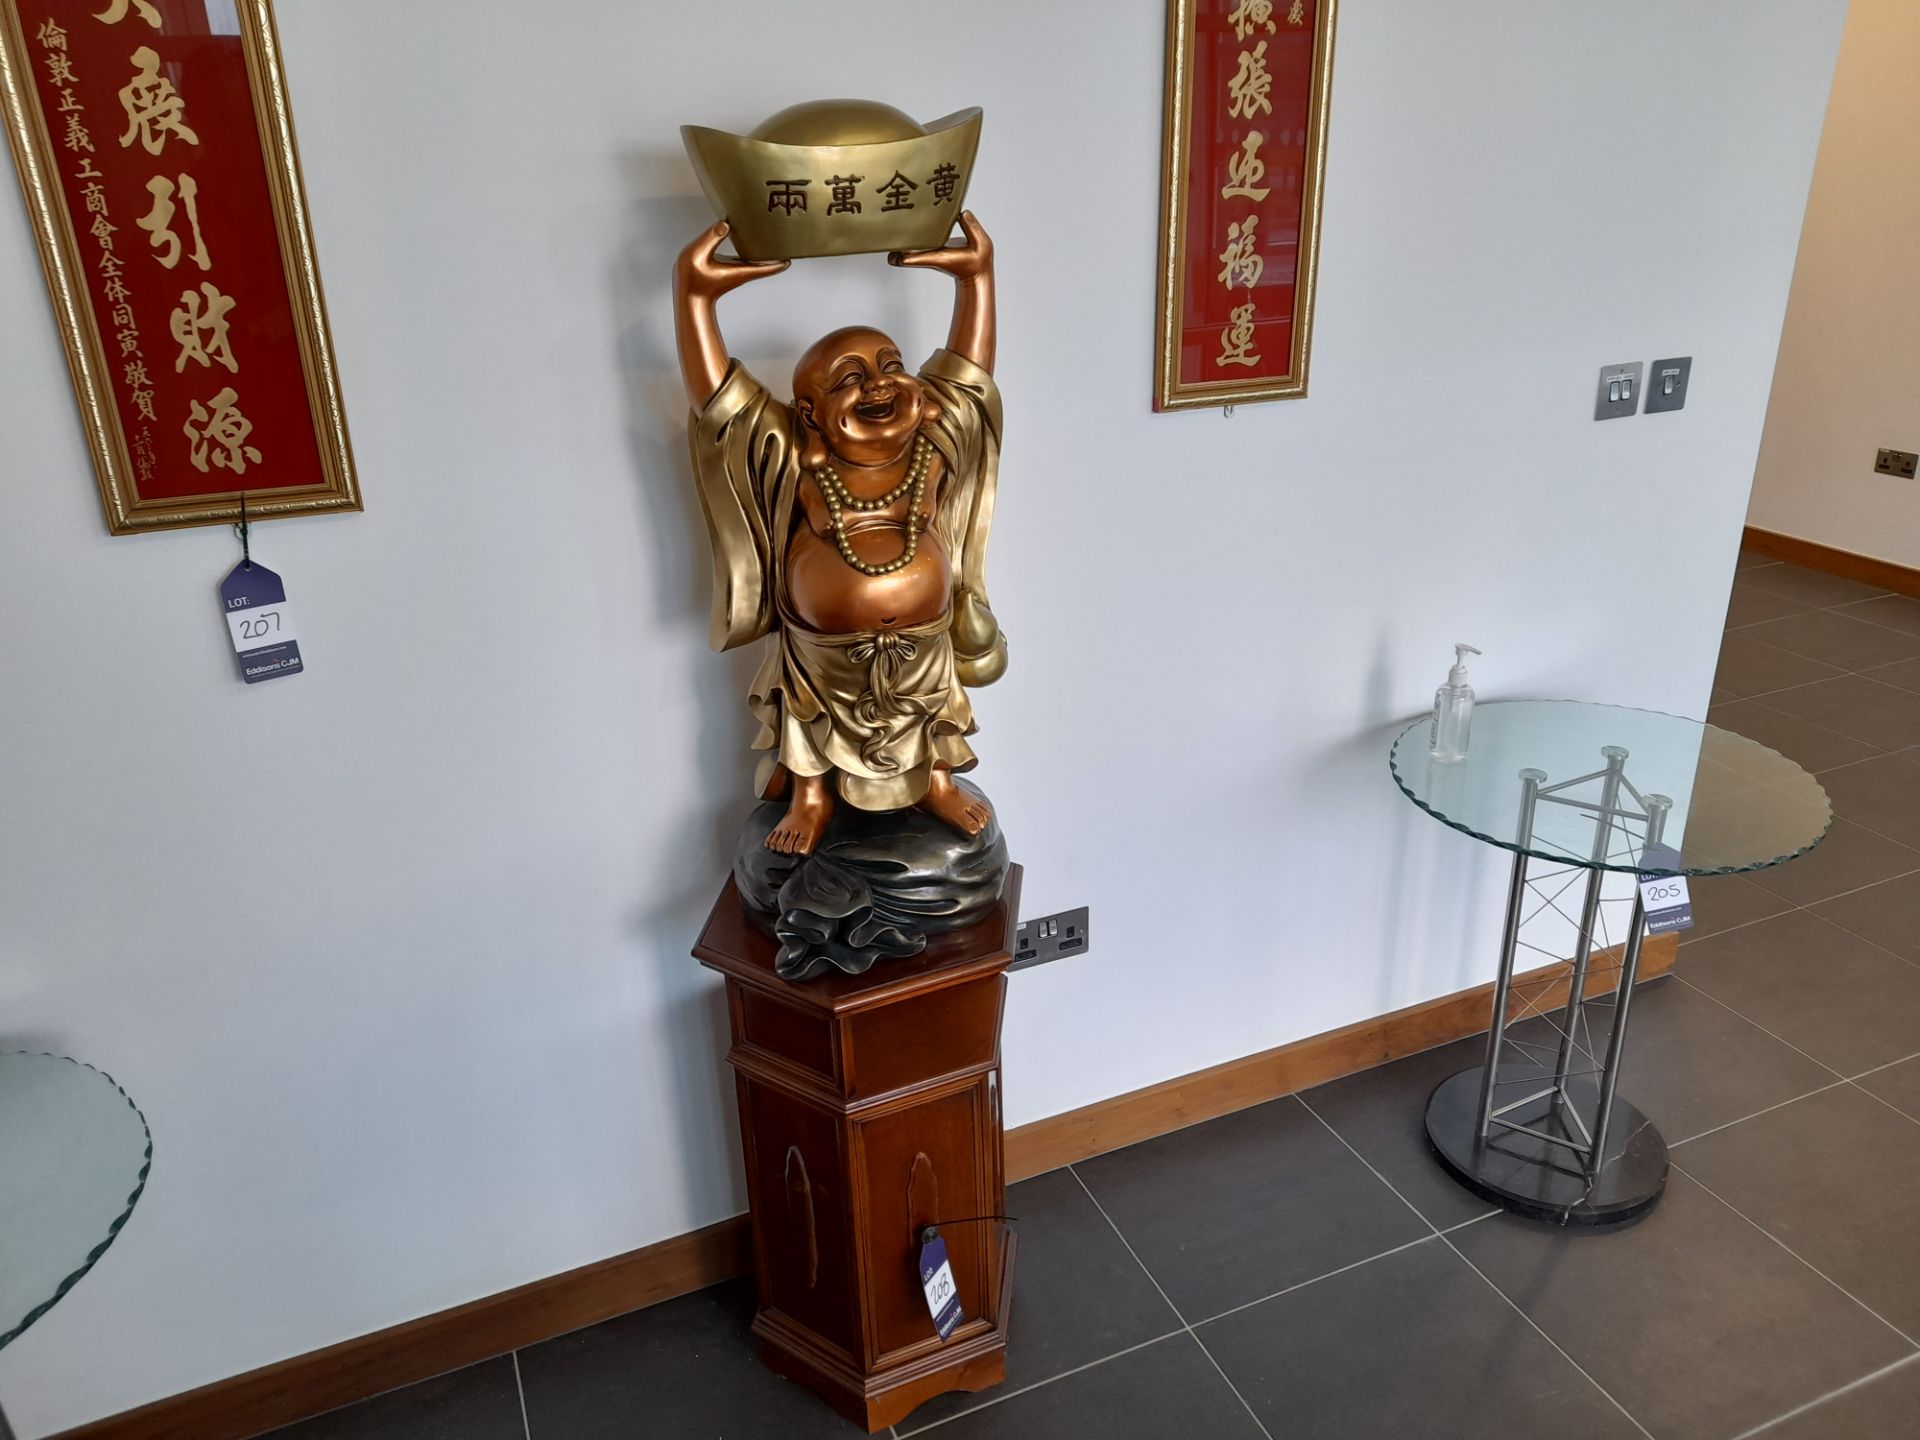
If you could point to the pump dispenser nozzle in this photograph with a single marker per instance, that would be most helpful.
(1458, 675)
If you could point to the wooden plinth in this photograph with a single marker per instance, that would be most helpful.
(869, 1109)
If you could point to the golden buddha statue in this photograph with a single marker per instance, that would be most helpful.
(850, 528)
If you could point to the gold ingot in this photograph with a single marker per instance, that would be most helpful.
(837, 177)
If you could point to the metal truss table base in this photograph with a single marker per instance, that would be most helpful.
(1534, 1177)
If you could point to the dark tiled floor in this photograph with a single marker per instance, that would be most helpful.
(1303, 1269)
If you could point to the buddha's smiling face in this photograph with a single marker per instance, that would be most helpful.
(853, 391)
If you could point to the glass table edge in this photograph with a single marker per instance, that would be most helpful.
(113, 1230)
(1586, 862)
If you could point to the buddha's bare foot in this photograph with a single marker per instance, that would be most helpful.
(806, 819)
(946, 801)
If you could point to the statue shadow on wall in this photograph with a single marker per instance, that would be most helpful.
(663, 210)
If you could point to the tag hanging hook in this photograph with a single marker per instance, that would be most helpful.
(243, 532)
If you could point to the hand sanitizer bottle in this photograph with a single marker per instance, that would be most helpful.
(1453, 711)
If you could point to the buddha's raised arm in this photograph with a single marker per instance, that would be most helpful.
(700, 278)
(970, 263)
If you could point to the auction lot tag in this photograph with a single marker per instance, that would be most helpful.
(936, 1278)
(1668, 904)
(260, 622)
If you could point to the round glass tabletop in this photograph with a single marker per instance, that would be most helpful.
(1736, 805)
(74, 1155)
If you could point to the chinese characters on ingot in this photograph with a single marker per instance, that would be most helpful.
(216, 430)
(785, 196)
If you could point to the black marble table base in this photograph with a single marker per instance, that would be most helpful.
(1533, 1177)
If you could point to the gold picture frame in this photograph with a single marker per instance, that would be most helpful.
(37, 162)
(1171, 327)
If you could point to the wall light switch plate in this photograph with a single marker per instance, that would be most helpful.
(1619, 392)
(1667, 384)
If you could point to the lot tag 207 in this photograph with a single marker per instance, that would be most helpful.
(260, 622)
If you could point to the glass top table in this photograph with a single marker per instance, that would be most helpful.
(1735, 804)
(74, 1156)
(1538, 1128)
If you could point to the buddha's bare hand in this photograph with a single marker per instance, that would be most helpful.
(970, 263)
(972, 256)
(704, 274)
(700, 277)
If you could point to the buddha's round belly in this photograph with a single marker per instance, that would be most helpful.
(829, 596)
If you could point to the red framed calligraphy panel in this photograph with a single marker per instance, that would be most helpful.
(155, 147)
(1244, 158)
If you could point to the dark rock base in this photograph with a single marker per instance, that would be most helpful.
(874, 888)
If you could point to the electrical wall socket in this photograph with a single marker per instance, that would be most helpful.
(1050, 937)
(1897, 462)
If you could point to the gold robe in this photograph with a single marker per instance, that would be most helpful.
(878, 709)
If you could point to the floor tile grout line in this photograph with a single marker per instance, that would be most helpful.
(1890, 629)
(1755, 1115)
(1836, 606)
(1227, 1380)
(1867, 939)
(1783, 689)
(1259, 1424)
(1303, 1284)
(1002, 1398)
(1881, 1099)
(1876, 1069)
(526, 1427)
(1820, 1400)
(1755, 1023)
(1843, 894)
(1852, 764)
(1086, 1189)
(1793, 907)
(1443, 1236)
(1794, 1253)
(1879, 749)
(1744, 924)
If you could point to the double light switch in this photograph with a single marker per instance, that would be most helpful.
(1620, 388)
(1619, 392)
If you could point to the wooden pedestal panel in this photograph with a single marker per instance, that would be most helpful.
(869, 1110)
(916, 1167)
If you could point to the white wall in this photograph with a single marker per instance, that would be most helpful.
(1848, 379)
(394, 953)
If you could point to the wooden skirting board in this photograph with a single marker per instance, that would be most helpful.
(1868, 571)
(293, 1389)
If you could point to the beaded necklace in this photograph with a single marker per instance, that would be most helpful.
(840, 500)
